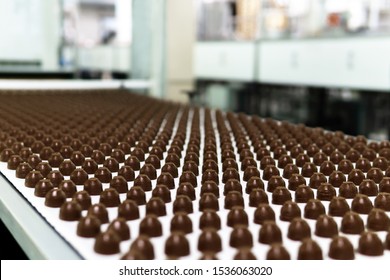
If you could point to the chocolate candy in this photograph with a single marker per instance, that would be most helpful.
(144, 182)
(348, 190)
(345, 166)
(137, 194)
(88, 226)
(166, 179)
(244, 254)
(99, 210)
(352, 223)
(336, 178)
(316, 180)
(43, 187)
(83, 198)
(289, 211)
(326, 192)
(309, 250)
(270, 233)
(22, 170)
(375, 174)
(182, 203)
(384, 185)
(210, 219)
(280, 195)
(295, 181)
(327, 167)
(177, 245)
(107, 243)
(119, 183)
(263, 213)
(382, 201)
(181, 222)
(120, 227)
(156, 206)
(150, 226)
(341, 249)
(240, 237)
(338, 206)
(378, 220)
(70, 211)
(32, 178)
(356, 176)
(127, 173)
(277, 252)
(209, 240)
(237, 216)
(370, 244)
(303, 194)
(208, 201)
(269, 171)
(171, 169)
(128, 210)
(368, 187)
(93, 186)
(110, 197)
(313, 209)
(233, 198)
(188, 177)
(326, 226)
(143, 246)
(55, 198)
(274, 182)
(361, 204)
(298, 229)
(289, 170)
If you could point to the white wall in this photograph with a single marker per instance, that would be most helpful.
(30, 31)
(180, 43)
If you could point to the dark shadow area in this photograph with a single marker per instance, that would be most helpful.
(10, 249)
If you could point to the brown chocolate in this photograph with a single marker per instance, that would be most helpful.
(83, 198)
(370, 244)
(352, 223)
(278, 252)
(150, 226)
(348, 190)
(309, 250)
(270, 233)
(107, 243)
(313, 209)
(182, 203)
(181, 222)
(303, 194)
(289, 211)
(382, 201)
(177, 245)
(361, 204)
(341, 249)
(326, 192)
(209, 240)
(156, 206)
(338, 206)
(143, 246)
(326, 226)
(263, 213)
(241, 237)
(128, 210)
(378, 220)
(88, 226)
(99, 210)
(298, 229)
(68, 187)
(120, 227)
(70, 211)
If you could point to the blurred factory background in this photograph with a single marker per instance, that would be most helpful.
(318, 62)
